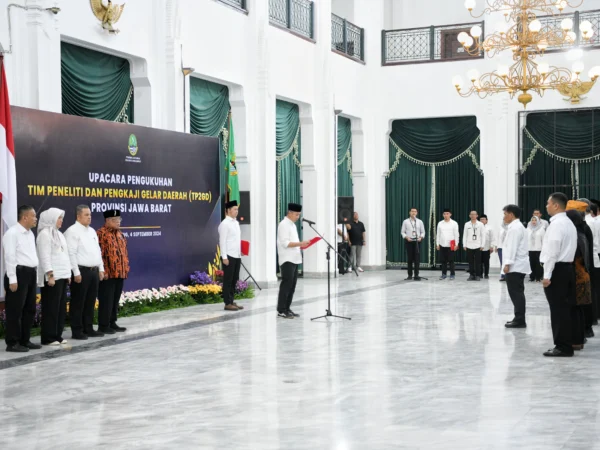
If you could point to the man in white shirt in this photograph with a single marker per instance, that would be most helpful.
(538, 214)
(473, 243)
(558, 254)
(488, 248)
(88, 271)
(290, 256)
(20, 281)
(230, 243)
(447, 241)
(595, 211)
(516, 263)
(413, 232)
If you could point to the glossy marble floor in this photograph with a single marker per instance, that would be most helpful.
(421, 365)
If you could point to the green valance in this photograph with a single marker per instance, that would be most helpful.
(95, 84)
(209, 107)
(435, 141)
(344, 157)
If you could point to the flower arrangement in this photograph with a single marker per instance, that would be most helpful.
(201, 278)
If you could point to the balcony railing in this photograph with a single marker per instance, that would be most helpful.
(295, 15)
(237, 4)
(427, 44)
(347, 38)
(554, 22)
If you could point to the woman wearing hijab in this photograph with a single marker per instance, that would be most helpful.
(54, 273)
(536, 238)
(583, 285)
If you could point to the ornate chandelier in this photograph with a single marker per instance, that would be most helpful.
(527, 38)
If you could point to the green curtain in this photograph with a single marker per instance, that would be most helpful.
(435, 166)
(561, 152)
(407, 187)
(344, 158)
(95, 84)
(209, 111)
(209, 107)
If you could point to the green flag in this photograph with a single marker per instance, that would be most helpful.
(233, 187)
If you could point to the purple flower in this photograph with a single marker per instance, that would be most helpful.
(241, 286)
(200, 278)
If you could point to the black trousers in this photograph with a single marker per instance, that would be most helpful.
(537, 271)
(54, 311)
(289, 278)
(109, 295)
(578, 325)
(447, 257)
(516, 290)
(474, 258)
(414, 257)
(83, 300)
(485, 262)
(562, 301)
(20, 306)
(231, 276)
(343, 251)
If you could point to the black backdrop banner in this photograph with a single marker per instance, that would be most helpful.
(165, 183)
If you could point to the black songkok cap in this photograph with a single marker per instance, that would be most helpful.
(294, 207)
(112, 213)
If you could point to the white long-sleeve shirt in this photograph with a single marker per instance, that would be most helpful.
(230, 238)
(596, 230)
(286, 233)
(447, 232)
(53, 257)
(501, 236)
(413, 229)
(18, 244)
(545, 223)
(490, 238)
(84, 249)
(474, 235)
(515, 252)
(560, 243)
(536, 239)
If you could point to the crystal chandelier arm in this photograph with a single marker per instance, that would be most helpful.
(512, 7)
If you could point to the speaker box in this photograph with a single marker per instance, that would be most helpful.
(244, 209)
(345, 209)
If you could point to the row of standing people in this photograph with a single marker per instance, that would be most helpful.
(570, 269)
(94, 264)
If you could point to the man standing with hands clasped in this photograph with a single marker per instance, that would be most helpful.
(116, 263)
(558, 255)
(516, 263)
(447, 243)
(20, 281)
(230, 242)
(413, 232)
(473, 243)
(88, 271)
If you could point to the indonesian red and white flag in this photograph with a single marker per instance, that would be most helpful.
(8, 174)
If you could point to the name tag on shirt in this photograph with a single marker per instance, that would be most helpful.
(474, 237)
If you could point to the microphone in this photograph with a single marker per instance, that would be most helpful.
(310, 222)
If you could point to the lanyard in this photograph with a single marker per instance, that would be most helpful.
(474, 231)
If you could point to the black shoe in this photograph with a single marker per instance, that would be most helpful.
(532, 280)
(589, 333)
(107, 330)
(502, 279)
(477, 279)
(17, 348)
(79, 336)
(31, 346)
(515, 325)
(409, 278)
(471, 278)
(92, 333)
(293, 313)
(487, 277)
(417, 278)
(117, 328)
(595, 322)
(285, 315)
(558, 353)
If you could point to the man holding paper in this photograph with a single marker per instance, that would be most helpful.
(290, 256)
(230, 245)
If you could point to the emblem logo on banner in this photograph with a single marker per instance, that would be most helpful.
(133, 146)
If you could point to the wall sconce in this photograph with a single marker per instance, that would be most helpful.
(187, 70)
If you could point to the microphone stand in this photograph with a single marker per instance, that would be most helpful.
(328, 254)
